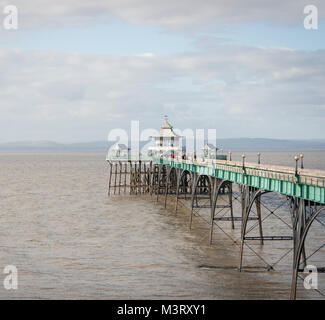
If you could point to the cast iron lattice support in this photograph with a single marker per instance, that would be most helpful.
(205, 190)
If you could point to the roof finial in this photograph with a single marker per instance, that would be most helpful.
(166, 124)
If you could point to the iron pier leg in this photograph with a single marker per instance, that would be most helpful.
(245, 200)
(213, 208)
(259, 215)
(230, 205)
(166, 192)
(178, 177)
(115, 172)
(158, 182)
(194, 187)
(110, 178)
(125, 173)
(120, 178)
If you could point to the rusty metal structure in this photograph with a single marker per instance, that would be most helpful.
(215, 185)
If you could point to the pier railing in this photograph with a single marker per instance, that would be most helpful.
(303, 183)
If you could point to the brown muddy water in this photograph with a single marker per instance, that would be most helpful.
(69, 240)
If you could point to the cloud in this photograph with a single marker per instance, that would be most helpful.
(181, 14)
(241, 91)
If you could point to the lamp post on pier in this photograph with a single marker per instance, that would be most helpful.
(230, 153)
(302, 160)
(243, 156)
(297, 159)
(259, 158)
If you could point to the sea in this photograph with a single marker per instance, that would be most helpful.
(69, 240)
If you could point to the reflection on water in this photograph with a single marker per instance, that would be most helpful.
(69, 240)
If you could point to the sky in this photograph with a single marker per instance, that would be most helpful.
(76, 69)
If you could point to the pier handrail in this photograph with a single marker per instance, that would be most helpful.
(284, 173)
(310, 176)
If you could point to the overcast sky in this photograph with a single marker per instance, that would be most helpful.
(77, 68)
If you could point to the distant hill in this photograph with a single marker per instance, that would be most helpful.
(54, 146)
(235, 144)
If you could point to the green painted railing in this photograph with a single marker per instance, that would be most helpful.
(305, 184)
(308, 186)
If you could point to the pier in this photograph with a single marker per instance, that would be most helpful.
(215, 185)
